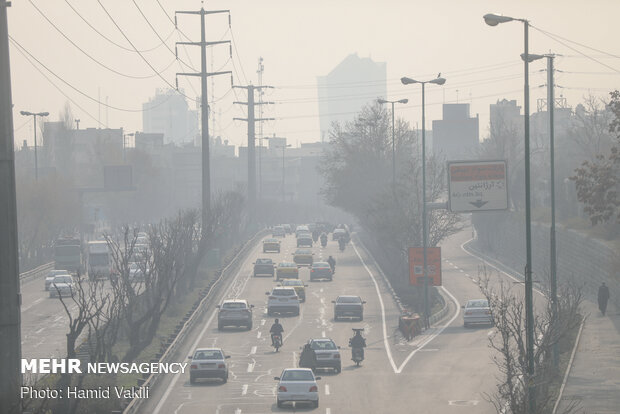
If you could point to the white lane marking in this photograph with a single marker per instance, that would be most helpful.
(258, 334)
(262, 322)
(32, 304)
(58, 318)
(326, 389)
(461, 270)
(39, 330)
(238, 411)
(253, 350)
(323, 334)
(251, 366)
(327, 411)
(398, 370)
(244, 389)
(430, 349)
(467, 274)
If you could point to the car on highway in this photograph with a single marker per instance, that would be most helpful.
(271, 245)
(348, 306)
(234, 312)
(282, 300)
(303, 257)
(301, 229)
(62, 285)
(340, 234)
(298, 285)
(321, 270)
(477, 311)
(297, 385)
(327, 353)
(136, 272)
(263, 267)
(278, 231)
(287, 270)
(208, 363)
(51, 275)
(288, 228)
(305, 240)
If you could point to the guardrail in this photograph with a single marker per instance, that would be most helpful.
(191, 320)
(36, 272)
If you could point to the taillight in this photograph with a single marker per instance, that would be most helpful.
(314, 388)
(312, 271)
(221, 366)
(194, 366)
(282, 388)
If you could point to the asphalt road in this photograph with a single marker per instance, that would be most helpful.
(447, 370)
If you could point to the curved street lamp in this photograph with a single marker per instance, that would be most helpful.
(34, 115)
(438, 81)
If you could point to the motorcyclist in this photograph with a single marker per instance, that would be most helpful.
(332, 263)
(276, 329)
(358, 341)
(307, 358)
(323, 239)
(341, 243)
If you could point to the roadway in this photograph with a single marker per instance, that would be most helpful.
(446, 370)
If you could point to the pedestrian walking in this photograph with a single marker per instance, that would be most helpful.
(603, 298)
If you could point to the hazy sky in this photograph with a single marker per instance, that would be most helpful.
(300, 41)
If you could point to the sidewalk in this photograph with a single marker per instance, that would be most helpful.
(594, 380)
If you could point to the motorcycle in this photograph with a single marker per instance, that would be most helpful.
(341, 244)
(277, 342)
(323, 241)
(357, 355)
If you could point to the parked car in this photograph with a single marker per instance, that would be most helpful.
(297, 385)
(298, 285)
(208, 363)
(234, 312)
(282, 300)
(477, 311)
(62, 285)
(263, 267)
(348, 306)
(271, 245)
(51, 275)
(321, 270)
(305, 240)
(278, 231)
(303, 257)
(327, 353)
(287, 270)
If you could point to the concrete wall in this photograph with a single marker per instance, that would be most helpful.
(589, 261)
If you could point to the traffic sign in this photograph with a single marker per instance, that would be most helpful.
(477, 186)
(433, 265)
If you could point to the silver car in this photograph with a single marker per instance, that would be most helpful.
(477, 311)
(208, 363)
(62, 285)
(297, 385)
(237, 312)
(51, 275)
(327, 353)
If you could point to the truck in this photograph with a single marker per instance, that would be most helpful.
(68, 255)
(98, 260)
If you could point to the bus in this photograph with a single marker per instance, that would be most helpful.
(68, 255)
(98, 260)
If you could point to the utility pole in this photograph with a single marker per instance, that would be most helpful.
(34, 115)
(204, 105)
(251, 120)
(10, 296)
(260, 71)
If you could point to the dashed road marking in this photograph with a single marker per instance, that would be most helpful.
(253, 350)
(327, 411)
(323, 334)
(262, 322)
(326, 389)
(461, 270)
(251, 365)
(244, 389)
(39, 330)
(258, 334)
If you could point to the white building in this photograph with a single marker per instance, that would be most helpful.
(168, 113)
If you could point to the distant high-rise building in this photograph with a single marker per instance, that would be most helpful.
(505, 115)
(168, 113)
(455, 137)
(355, 82)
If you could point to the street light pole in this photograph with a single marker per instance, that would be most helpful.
(283, 149)
(383, 101)
(437, 81)
(34, 115)
(494, 20)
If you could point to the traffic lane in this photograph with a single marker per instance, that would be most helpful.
(252, 366)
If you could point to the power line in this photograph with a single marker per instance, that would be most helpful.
(86, 53)
(576, 43)
(112, 41)
(234, 42)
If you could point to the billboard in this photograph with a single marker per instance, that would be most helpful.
(433, 265)
(477, 186)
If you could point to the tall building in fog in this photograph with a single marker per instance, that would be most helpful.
(168, 113)
(354, 83)
(505, 116)
(455, 137)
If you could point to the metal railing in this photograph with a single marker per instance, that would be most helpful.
(36, 272)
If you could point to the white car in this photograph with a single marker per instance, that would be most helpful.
(477, 311)
(297, 385)
(208, 363)
(51, 275)
(237, 312)
(283, 300)
(62, 285)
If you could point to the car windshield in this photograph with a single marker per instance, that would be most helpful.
(234, 305)
(320, 264)
(287, 265)
(349, 299)
(292, 283)
(263, 261)
(53, 273)
(208, 354)
(482, 303)
(323, 345)
(283, 292)
(297, 375)
(63, 279)
(271, 241)
(303, 251)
